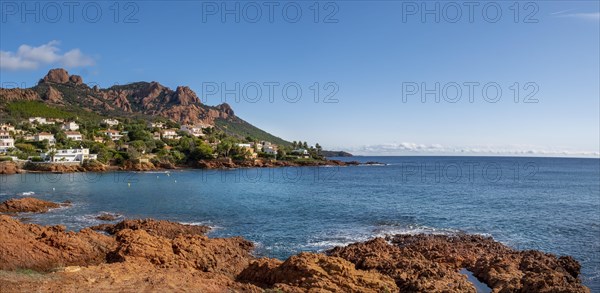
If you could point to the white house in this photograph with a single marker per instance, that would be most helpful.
(6, 141)
(271, 150)
(70, 155)
(7, 127)
(74, 135)
(170, 134)
(44, 135)
(70, 126)
(193, 130)
(39, 120)
(248, 148)
(156, 125)
(111, 122)
(301, 153)
(113, 134)
(267, 147)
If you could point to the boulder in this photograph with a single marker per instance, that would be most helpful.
(218, 255)
(57, 75)
(226, 109)
(53, 96)
(311, 272)
(107, 217)
(161, 228)
(46, 248)
(185, 96)
(28, 205)
(431, 263)
(76, 79)
(9, 168)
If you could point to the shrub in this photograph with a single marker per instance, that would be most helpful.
(37, 159)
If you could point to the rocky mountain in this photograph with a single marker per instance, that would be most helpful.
(147, 100)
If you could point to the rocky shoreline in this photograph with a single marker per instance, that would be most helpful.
(10, 168)
(155, 255)
(29, 205)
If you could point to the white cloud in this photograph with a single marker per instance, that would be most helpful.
(593, 16)
(406, 148)
(30, 58)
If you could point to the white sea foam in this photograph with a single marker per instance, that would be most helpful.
(26, 193)
(328, 244)
(87, 220)
(60, 208)
(344, 238)
(92, 218)
(206, 223)
(413, 230)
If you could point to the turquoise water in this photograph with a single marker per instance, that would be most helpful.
(528, 203)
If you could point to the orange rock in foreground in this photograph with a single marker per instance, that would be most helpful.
(150, 255)
(430, 263)
(29, 246)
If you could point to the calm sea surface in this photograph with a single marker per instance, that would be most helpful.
(551, 204)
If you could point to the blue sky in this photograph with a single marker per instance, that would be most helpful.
(369, 53)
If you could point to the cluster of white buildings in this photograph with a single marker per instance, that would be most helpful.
(169, 134)
(7, 141)
(44, 121)
(160, 125)
(71, 130)
(194, 130)
(79, 155)
(70, 126)
(111, 122)
(254, 148)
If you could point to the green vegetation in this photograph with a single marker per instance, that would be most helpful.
(139, 141)
(244, 129)
(26, 109)
(37, 159)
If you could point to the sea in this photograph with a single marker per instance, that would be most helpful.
(548, 204)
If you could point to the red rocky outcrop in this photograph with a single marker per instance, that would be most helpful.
(28, 205)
